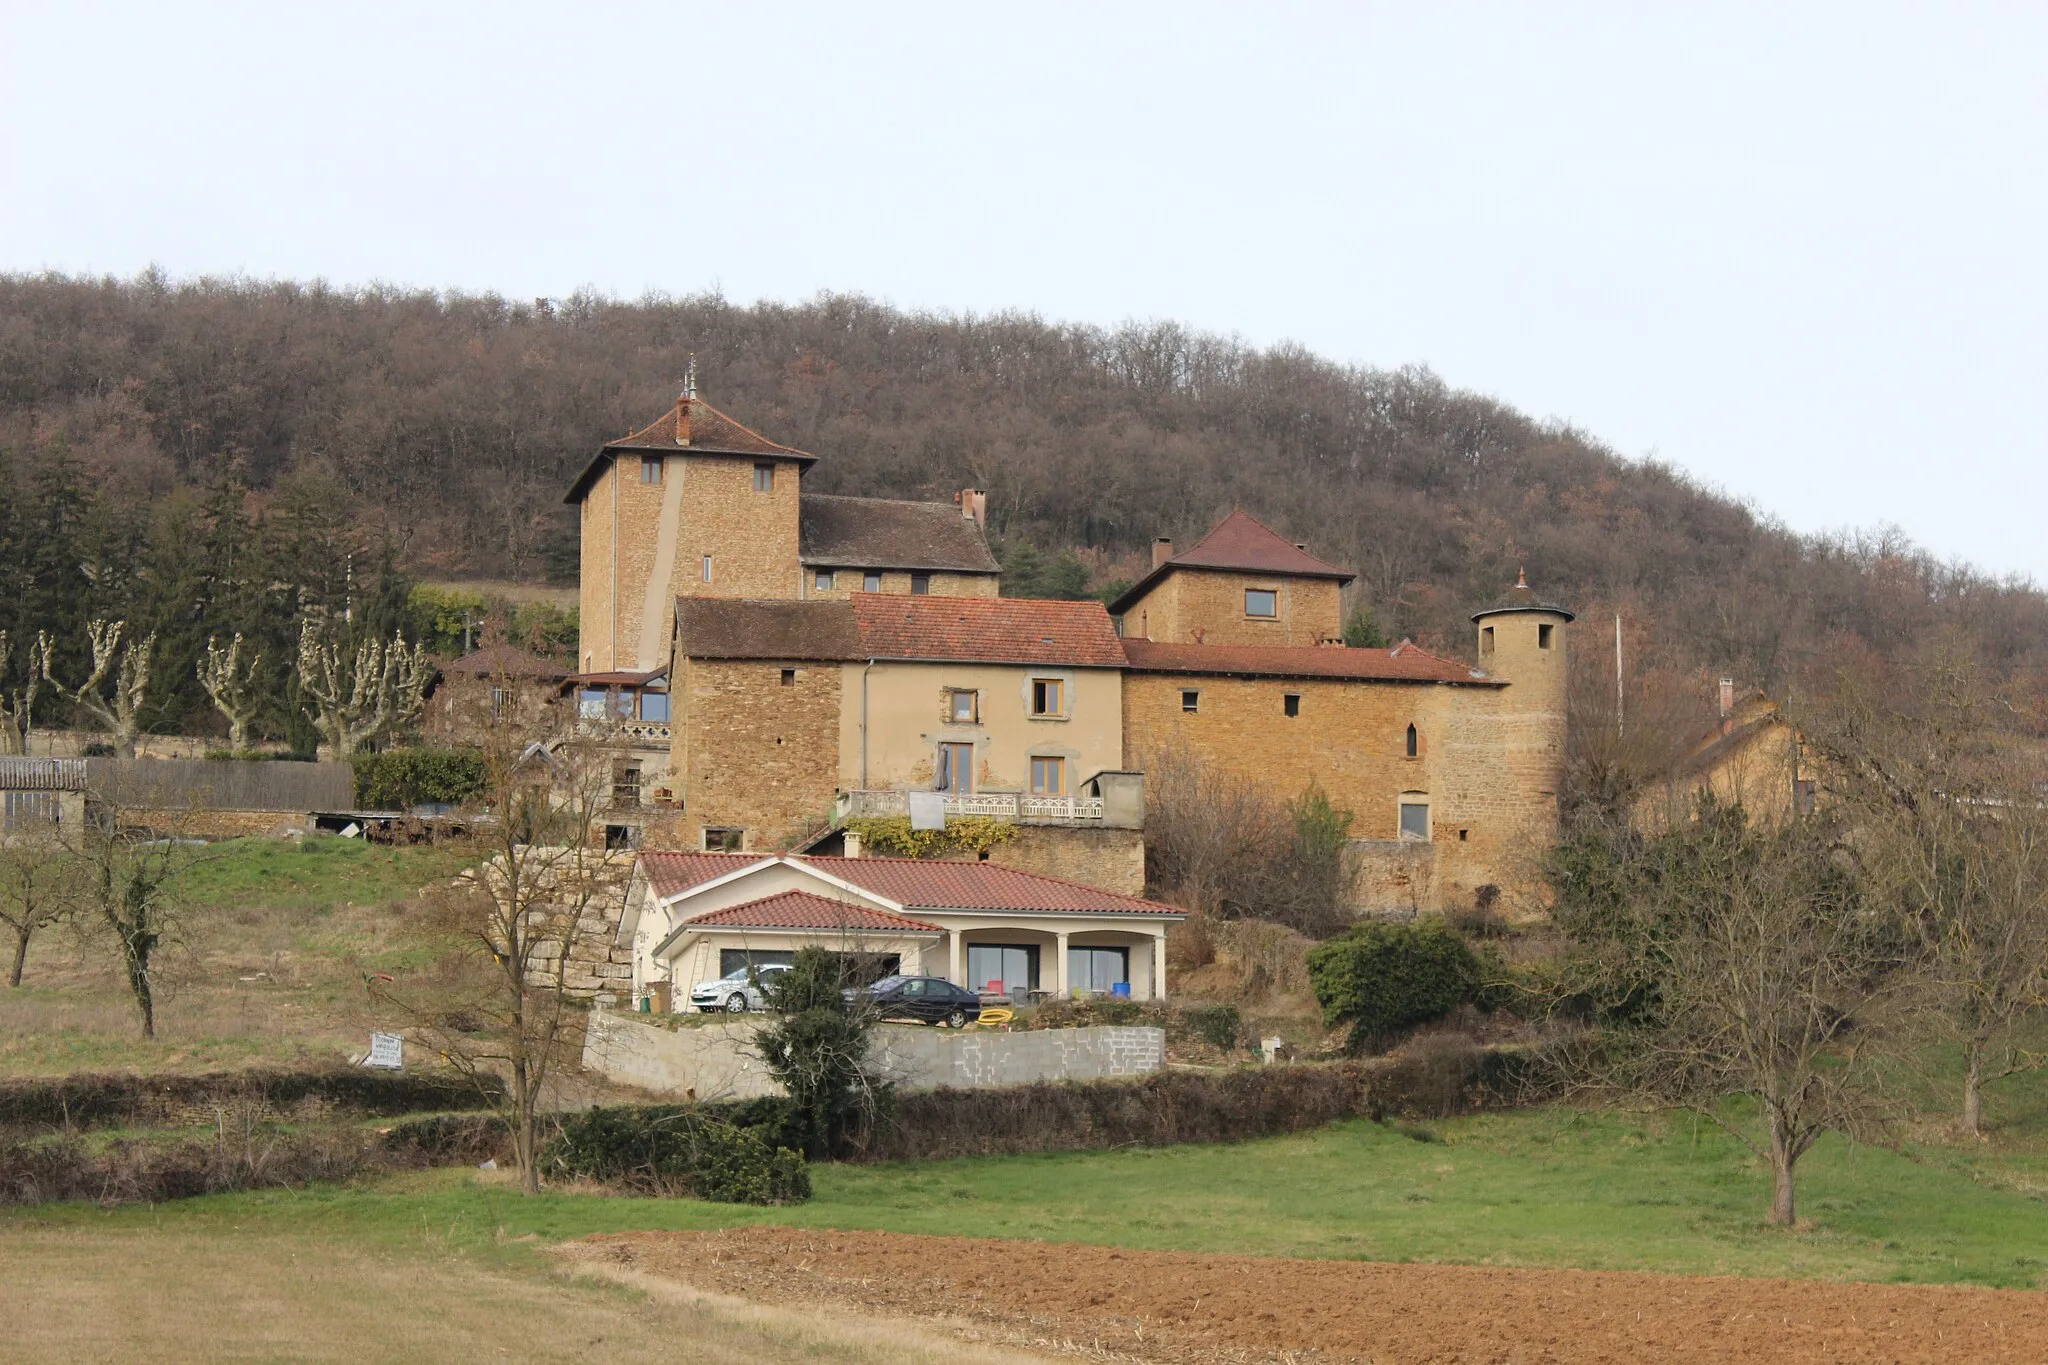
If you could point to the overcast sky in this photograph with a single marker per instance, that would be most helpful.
(1795, 250)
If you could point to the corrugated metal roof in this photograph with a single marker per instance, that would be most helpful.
(42, 774)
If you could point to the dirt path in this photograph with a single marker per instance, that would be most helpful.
(1173, 1307)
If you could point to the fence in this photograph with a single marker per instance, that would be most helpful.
(199, 784)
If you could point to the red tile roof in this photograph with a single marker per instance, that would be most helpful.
(1404, 663)
(925, 884)
(802, 910)
(711, 433)
(1243, 543)
(987, 630)
(916, 883)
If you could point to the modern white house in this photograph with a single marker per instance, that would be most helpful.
(690, 917)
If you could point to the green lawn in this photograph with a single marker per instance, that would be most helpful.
(1547, 1188)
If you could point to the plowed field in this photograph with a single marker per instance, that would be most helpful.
(1174, 1307)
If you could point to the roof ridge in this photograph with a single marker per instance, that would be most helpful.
(718, 412)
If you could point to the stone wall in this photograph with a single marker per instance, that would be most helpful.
(1204, 606)
(751, 752)
(751, 536)
(847, 581)
(715, 1060)
(1112, 859)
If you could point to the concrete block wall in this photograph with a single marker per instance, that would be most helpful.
(716, 1060)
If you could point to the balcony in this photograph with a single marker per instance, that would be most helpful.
(1015, 807)
(639, 734)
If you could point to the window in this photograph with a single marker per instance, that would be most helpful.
(764, 478)
(789, 677)
(654, 707)
(1048, 697)
(501, 702)
(1048, 777)
(1414, 742)
(1486, 639)
(707, 568)
(1415, 820)
(621, 836)
(650, 469)
(1002, 969)
(920, 584)
(1190, 702)
(956, 769)
(825, 580)
(619, 704)
(1098, 969)
(962, 707)
(1291, 703)
(590, 703)
(625, 784)
(723, 839)
(1261, 602)
(871, 581)
(1543, 636)
(1464, 835)
(1802, 797)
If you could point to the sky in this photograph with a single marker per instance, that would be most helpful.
(1797, 251)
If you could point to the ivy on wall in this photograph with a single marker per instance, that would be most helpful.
(892, 835)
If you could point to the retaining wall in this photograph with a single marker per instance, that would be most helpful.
(716, 1060)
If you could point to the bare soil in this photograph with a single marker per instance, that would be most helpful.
(1177, 1307)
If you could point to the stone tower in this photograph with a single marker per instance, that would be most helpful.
(1521, 640)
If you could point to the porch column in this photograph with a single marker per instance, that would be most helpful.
(1159, 967)
(1059, 967)
(956, 959)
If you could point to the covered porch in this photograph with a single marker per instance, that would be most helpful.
(1053, 962)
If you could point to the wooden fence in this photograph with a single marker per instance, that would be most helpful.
(200, 784)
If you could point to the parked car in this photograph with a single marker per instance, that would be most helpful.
(737, 991)
(927, 999)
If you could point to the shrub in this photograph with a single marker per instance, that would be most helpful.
(1218, 1025)
(1380, 978)
(893, 836)
(666, 1149)
(815, 1048)
(399, 779)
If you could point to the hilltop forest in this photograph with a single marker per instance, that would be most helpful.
(178, 452)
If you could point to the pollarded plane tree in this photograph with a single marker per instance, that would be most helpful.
(118, 712)
(232, 686)
(18, 689)
(360, 694)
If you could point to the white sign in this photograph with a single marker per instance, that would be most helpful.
(927, 810)
(386, 1050)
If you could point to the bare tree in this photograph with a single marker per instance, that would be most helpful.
(232, 687)
(39, 886)
(18, 696)
(129, 666)
(1744, 961)
(1209, 835)
(497, 1003)
(127, 880)
(364, 694)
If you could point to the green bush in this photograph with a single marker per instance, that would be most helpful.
(1380, 978)
(1218, 1025)
(670, 1149)
(399, 779)
(815, 1047)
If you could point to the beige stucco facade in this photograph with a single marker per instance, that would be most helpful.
(894, 715)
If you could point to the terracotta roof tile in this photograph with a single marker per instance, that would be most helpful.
(914, 883)
(1243, 543)
(883, 533)
(803, 910)
(924, 884)
(987, 630)
(711, 433)
(1404, 663)
(758, 628)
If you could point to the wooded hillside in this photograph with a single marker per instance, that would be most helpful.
(456, 422)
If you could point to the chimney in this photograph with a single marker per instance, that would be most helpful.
(974, 506)
(683, 419)
(1727, 695)
(1162, 550)
(853, 844)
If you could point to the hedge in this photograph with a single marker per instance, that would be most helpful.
(399, 779)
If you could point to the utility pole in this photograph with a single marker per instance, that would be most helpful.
(1618, 731)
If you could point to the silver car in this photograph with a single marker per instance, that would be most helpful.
(736, 992)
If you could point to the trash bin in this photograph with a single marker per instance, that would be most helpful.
(1120, 989)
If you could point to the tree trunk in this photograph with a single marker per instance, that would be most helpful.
(525, 1135)
(1783, 1209)
(145, 998)
(1973, 1091)
(20, 956)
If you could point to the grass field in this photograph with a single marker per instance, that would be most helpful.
(265, 966)
(1549, 1188)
